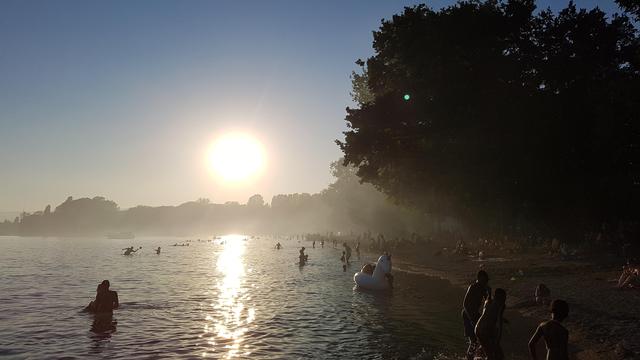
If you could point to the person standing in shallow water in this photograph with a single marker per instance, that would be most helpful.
(489, 327)
(556, 336)
(303, 257)
(476, 295)
(107, 300)
(347, 248)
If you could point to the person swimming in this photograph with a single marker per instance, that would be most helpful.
(130, 250)
(476, 294)
(556, 336)
(488, 330)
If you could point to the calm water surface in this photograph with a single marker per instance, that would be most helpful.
(242, 299)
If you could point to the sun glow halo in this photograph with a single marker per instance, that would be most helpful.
(236, 157)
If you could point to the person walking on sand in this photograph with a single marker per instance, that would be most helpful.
(488, 330)
(476, 294)
(556, 336)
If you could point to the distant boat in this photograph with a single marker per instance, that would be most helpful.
(121, 235)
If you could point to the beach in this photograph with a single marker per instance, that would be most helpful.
(604, 322)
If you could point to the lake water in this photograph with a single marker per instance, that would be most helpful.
(242, 299)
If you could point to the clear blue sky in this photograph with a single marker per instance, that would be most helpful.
(121, 98)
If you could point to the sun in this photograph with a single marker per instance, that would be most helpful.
(236, 157)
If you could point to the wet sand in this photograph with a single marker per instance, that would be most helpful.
(604, 322)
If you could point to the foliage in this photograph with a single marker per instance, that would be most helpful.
(514, 116)
(346, 205)
(631, 6)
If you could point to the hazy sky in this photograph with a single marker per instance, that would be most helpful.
(122, 98)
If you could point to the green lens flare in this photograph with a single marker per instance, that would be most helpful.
(406, 97)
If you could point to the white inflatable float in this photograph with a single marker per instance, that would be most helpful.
(379, 280)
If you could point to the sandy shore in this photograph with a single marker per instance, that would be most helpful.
(604, 322)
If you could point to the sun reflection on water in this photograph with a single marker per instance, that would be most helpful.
(231, 315)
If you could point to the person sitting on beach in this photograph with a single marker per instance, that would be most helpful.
(476, 294)
(556, 336)
(630, 277)
(542, 294)
(488, 330)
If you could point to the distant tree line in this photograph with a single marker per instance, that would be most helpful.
(504, 117)
(346, 205)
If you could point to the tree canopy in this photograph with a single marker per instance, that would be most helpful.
(492, 112)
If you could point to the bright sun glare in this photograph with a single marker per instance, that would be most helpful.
(236, 157)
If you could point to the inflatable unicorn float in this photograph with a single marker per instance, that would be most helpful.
(377, 276)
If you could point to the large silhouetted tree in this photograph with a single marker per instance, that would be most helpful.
(496, 114)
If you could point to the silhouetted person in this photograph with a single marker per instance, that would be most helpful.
(488, 330)
(158, 250)
(107, 300)
(130, 250)
(476, 294)
(322, 243)
(358, 249)
(556, 336)
(348, 250)
(314, 244)
(302, 258)
(542, 294)
(278, 246)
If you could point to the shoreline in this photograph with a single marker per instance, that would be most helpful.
(603, 323)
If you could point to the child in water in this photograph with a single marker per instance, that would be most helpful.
(556, 336)
(488, 330)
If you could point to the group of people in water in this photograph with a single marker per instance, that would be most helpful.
(482, 312)
(482, 316)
